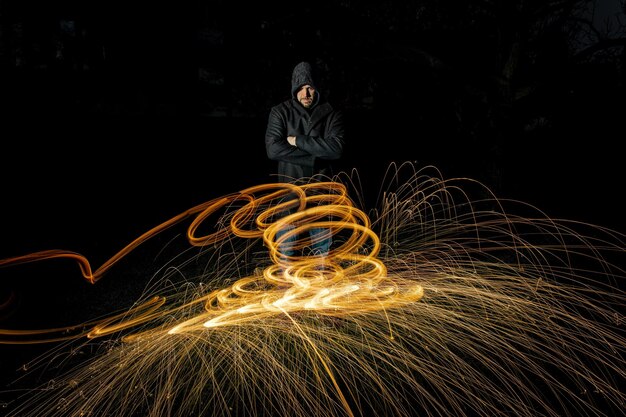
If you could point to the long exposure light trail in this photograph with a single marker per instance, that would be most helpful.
(349, 282)
(439, 301)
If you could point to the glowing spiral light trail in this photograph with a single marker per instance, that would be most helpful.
(434, 303)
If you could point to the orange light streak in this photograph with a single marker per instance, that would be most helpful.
(344, 282)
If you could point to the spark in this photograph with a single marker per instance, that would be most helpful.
(435, 302)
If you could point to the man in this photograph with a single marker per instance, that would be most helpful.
(304, 135)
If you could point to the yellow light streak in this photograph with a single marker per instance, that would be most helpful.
(432, 303)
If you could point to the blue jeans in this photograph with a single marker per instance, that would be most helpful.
(319, 246)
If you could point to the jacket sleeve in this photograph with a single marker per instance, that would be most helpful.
(276, 145)
(330, 146)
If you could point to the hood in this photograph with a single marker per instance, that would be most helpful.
(303, 74)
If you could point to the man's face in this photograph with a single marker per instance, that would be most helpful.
(306, 95)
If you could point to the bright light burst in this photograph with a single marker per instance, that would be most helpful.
(442, 300)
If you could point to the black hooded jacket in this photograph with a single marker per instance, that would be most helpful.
(319, 133)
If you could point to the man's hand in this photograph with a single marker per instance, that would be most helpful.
(291, 140)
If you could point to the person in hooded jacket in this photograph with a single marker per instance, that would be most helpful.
(304, 135)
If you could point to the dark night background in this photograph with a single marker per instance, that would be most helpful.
(116, 116)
